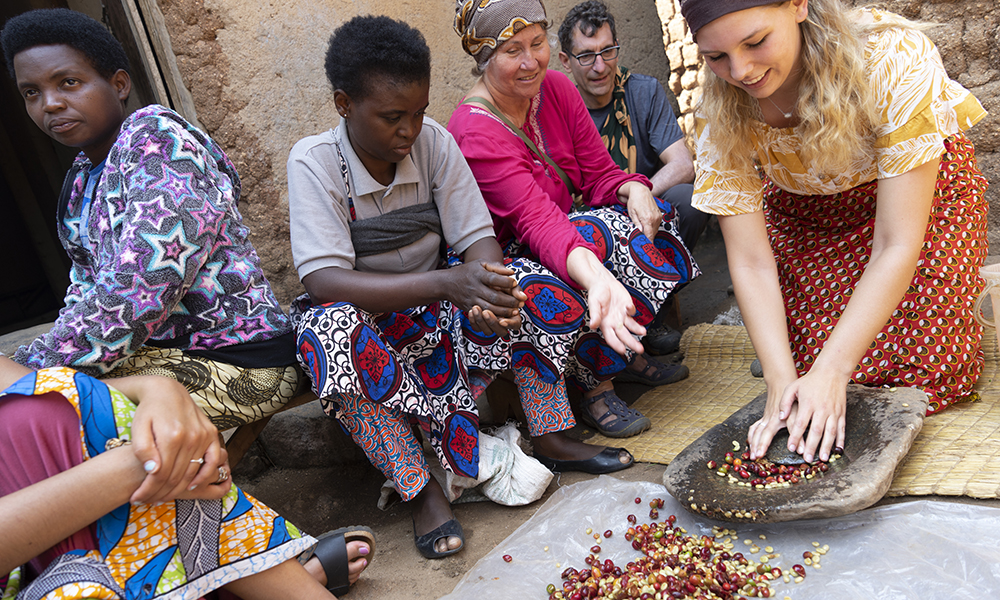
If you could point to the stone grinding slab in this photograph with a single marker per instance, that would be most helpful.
(881, 426)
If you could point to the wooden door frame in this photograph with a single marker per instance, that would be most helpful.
(140, 26)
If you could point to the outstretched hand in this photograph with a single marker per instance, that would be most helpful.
(612, 311)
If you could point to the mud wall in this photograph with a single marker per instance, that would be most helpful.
(969, 42)
(255, 72)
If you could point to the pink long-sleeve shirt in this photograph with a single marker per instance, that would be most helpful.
(528, 200)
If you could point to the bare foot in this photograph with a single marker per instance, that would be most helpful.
(431, 509)
(560, 446)
(356, 553)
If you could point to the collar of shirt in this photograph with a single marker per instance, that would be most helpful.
(362, 183)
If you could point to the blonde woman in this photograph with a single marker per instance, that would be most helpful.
(831, 145)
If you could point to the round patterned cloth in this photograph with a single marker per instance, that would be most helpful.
(231, 396)
(822, 245)
(650, 270)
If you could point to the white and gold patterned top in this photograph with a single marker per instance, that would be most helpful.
(919, 105)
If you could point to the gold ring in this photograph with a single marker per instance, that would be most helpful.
(200, 461)
(223, 475)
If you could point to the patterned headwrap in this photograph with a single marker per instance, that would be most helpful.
(485, 24)
(699, 13)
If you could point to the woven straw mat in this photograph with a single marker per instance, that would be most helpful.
(957, 453)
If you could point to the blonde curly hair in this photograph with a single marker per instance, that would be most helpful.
(837, 114)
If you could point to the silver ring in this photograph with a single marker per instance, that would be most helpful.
(200, 461)
(223, 475)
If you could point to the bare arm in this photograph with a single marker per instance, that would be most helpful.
(10, 372)
(38, 517)
(755, 281)
(818, 399)
(677, 168)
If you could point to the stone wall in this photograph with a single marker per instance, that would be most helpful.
(255, 72)
(967, 37)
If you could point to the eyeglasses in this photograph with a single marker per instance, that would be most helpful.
(588, 58)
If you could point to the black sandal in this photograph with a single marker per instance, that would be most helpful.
(606, 461)
(654, 374)
(426, 542)
(331, 551)
(627, 421)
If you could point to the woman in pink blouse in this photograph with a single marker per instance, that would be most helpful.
(532, 147)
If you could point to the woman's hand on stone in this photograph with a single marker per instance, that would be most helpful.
(817, 402)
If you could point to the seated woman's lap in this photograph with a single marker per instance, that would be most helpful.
(377, 373)
(649, 270)
(230, 395)
(39, 438)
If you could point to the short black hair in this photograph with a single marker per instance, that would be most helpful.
(368, 46)
(62, 26)
(591, 16)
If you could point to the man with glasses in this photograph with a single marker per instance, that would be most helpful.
(634, 118)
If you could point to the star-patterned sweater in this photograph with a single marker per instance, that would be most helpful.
(167, 259)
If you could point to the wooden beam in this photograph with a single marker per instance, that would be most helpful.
(159, 37)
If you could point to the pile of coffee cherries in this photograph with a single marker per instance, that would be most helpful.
(762, 474)
(674, 564)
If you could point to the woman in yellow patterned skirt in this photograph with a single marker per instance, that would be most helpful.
(105, 498)
(831, 145)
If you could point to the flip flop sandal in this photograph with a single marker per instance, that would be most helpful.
(331, 551)
(426, 542)
(627, 421)
(606, 461)
(655, 373)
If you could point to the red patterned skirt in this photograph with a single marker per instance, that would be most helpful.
(822, 245)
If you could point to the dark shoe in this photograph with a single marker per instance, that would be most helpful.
(626, 422)
(662, 339)
(606, 461)
(425, 543)
(331, 551)
(655, 373)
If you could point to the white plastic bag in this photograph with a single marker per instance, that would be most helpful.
(507, 475)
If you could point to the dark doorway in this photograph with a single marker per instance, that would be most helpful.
(34, 271)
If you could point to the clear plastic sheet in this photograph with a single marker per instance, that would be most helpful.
(921, 549)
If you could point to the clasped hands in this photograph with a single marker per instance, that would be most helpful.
(489, 295)
(180, 450)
